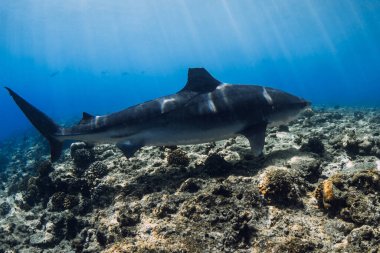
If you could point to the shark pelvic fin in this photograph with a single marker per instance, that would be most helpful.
(86, 117)
(199, 80)
(256, 137)
(128, 149)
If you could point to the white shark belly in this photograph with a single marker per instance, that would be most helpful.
(183, 136)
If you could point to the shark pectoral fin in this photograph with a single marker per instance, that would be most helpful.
(256, 137)
(128, 149)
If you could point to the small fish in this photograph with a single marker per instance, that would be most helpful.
(54, 74)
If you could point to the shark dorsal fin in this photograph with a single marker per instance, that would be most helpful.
(86, 117)
(199, 80)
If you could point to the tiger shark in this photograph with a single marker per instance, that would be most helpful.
(204, 110)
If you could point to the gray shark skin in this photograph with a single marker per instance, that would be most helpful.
(204, 110)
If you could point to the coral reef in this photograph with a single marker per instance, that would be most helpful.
(316, 189)
(95, 171)
(280, 186)
(82, 155)
(352, 197)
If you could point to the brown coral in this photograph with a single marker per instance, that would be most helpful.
(330, 193)
(351, 197)
(278, 186)
(325, 194)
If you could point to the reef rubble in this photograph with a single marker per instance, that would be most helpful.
(316, 189)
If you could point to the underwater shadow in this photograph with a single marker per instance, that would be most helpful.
(283, 154)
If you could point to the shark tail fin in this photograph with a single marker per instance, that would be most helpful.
(41, 122)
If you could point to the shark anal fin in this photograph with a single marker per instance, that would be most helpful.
(128, 149)
(199, 80)
(256, 137)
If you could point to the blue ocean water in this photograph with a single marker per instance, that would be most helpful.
(97, 56)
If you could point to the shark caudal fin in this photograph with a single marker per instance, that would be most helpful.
(42, 122)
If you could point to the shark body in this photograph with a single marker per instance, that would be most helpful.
(204, 110)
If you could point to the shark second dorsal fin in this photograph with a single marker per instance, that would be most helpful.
(199, 80)
(86, 117)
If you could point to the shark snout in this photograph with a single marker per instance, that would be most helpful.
(283, 100)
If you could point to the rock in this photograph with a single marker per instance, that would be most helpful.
(351, 146)
(363, 233)
(71, 185)
(375, 119)
(71, 227)
(96, 171)
(367, 181)
(61, 201)
(44, 168)
(215, 165)
(70, 201)
(102, 195)
(221, 190)
(84, 206)
(358, 115)
(101, 238)
(190, 185)
(107, 154)
(31, 194)
(283, 128)
(57, 201)
(279, 186)
(128, 219)
(351, 197)
(42, 240)
(362, 239)
(308, 168)
(308, 113)
(359, 146)
(314, 145)
(5, 208)
(177, 157)
(164, 209)
(296, 245)
(82, 154)
(361, 209)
